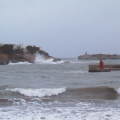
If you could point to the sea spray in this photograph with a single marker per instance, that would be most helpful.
(40, 59)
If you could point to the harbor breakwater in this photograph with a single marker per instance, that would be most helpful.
(98, 56)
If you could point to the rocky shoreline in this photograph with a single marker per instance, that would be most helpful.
(98, 56)
(11, 53)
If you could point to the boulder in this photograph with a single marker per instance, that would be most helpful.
(4, 59)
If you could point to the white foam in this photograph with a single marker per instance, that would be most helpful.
(38, 92)
(36, 112)
(40, 59)
(118, 90)
(20, 63)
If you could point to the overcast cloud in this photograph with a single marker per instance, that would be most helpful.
(64, 28)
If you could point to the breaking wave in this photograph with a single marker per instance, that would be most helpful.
(68, 94)
(20, 63)
(42, 60)
(17, 96)
(38, 92)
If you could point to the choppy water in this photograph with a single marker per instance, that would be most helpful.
(64, 91)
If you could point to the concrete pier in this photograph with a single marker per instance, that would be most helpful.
(107, 68)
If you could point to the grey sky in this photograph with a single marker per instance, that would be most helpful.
(62, 27)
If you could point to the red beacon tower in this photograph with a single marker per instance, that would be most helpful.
(101, 65)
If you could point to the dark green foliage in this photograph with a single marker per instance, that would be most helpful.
(7, 49)
(19, 50)
(32, 49)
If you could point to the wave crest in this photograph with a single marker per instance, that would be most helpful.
(38, 92)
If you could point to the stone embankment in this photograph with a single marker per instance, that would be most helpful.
(107, 68)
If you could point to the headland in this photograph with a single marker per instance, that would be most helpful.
(12, 53)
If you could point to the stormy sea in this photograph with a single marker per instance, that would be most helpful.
(62, 90)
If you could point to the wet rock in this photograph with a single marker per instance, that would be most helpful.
(4, 59)
(16, 53)
(56, 59)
